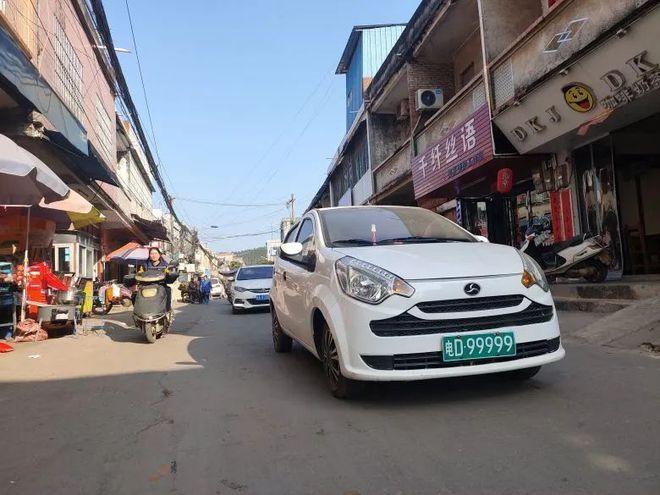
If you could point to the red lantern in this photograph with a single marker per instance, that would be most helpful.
(504, 180)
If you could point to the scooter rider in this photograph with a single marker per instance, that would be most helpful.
(156, 262)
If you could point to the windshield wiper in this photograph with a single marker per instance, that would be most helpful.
(415, 239)
(355, 242)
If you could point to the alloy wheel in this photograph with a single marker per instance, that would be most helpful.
(277, 331)
(281, 341)
(331, 359)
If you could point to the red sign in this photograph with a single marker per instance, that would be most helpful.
(562, 215)
(504, 180)
(466, 147)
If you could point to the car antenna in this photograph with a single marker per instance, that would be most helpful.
(373, 234)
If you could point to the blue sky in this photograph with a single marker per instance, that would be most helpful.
(244, 100)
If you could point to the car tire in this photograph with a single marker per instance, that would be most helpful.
(522, 374)
(340, 386)
(235, 310)
(281, 341)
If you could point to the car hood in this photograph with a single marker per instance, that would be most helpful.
(257, 283)
(441, 260)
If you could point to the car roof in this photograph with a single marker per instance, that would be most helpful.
(364, 207)
(253, 266)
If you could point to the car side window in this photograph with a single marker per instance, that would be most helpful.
(306, 238)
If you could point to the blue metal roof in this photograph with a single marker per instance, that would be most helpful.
(355, 36)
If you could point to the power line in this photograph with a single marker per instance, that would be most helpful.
(287, 154)
(277, 139)
(144, 88)
(234, 236)
(104, 31)
(238, 205)
(242, 222)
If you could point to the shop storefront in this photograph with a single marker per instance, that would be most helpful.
(618, 177)
(600, 118)
(77, 253)
(462, 178)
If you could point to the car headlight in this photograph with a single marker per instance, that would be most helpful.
(369, 283)
(533, 273)
(240, 289)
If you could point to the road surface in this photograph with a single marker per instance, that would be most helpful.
(211, 409)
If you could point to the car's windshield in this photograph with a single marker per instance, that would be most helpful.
(388, 225)
(255, 272)
(215, 281)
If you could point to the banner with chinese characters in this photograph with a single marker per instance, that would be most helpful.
(464, 148)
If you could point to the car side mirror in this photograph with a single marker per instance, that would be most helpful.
(292, 248)
(481, 238)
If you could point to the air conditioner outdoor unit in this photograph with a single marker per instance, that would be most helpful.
(429, 98)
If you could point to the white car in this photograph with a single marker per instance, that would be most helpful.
(217, 290)
(251, 288)
(381, 293)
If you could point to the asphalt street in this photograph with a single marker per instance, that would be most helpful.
(211, 409)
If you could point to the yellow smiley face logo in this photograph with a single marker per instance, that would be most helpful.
(579, 97)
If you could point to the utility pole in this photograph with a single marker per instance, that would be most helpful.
(291, 204)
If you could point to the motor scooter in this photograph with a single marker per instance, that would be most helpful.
(150, 308)
(109, 293)
(584, 256)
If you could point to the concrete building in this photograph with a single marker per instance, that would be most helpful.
(59, 82)
(349, 179)
(544, 119)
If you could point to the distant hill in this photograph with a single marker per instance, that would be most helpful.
(253, 256)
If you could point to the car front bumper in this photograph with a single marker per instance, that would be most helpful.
(248, 300)
(366, 355)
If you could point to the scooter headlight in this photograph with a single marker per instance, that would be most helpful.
(150, 292)
(369, 283)
(533, 273)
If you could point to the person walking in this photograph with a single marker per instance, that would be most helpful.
(194, 290)
(205, 289)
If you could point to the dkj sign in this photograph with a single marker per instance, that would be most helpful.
(614, 74)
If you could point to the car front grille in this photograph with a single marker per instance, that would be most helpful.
(407, 325)
(471, 304)
(254, 302)
(259, 291)
(433, 360)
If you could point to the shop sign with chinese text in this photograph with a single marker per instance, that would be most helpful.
(589, 93)
(464, 148)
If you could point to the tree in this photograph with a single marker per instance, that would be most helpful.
(235, 265)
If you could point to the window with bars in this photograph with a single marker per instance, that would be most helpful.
(69, 71)
(104, 130)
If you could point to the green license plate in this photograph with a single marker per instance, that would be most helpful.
(478, 346)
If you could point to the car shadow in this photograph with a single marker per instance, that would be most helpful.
(405, 394)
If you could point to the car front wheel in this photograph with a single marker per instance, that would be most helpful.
(340, 386)
(281, 341)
